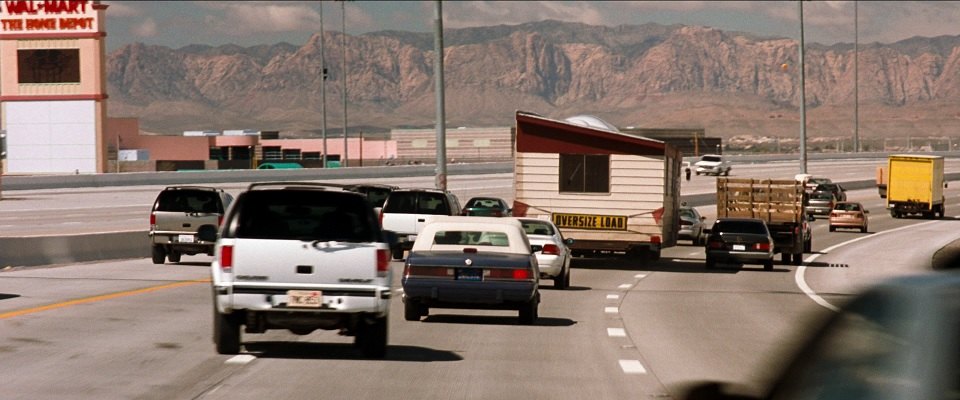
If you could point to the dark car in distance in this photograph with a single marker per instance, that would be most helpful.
(743, 240)
(486, 207)
(839, 193)
(376, 193)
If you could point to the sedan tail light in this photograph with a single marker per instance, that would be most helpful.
(410, 270)
(551, 249)
(715, 244)
(226, 258)
(761, 246)
(518, 274)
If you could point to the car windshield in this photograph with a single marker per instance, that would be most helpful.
(472, 238)
(196, 201)
(755, 227)
(710, 158)
(537, 228)
(687, 213)
(818, 181)
(306, 215)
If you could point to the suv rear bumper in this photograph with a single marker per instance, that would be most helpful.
(345, 301)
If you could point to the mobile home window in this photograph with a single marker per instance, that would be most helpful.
(585, 173)
(48, 66)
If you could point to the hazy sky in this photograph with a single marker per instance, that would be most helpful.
(246, 23)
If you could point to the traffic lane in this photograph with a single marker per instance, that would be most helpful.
(157, 344)
(468, 354)
(130, 343)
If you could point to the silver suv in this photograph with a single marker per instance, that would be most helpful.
(301, 257)
(177, 213)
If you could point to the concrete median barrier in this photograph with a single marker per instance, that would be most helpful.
(63, 249)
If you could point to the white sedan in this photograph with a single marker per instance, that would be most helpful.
(553, 255)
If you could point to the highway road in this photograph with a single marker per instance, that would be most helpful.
(129, 329)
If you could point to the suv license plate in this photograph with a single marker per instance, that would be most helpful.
(185, 239)
(471, 274)
(304, 298)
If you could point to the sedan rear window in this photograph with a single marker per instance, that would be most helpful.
(537, 228)
(472, 238)
(741, 227)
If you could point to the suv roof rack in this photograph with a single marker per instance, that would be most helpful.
(177, 187)
(303, 185)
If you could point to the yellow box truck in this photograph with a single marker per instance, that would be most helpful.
(915, 185)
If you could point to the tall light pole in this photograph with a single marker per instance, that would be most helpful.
(856, 80)
(323, 91)
(343, 77)
(441, 173)
(803, 100)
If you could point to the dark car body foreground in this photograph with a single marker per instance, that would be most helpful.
(899, 340)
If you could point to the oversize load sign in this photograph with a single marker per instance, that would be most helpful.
(25, 16)
(588, 221)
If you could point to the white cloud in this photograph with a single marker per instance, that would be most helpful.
(245, 18)
(146, 29)
(123, 9)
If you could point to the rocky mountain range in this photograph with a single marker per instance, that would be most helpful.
(650, 76)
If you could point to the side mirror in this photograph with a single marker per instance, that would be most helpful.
(944, 184)
(568, 241)
(865, 211)
(703, 218)
(535, 248)
(811, 218)
(207, 233)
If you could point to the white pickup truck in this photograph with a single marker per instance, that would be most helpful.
(406, 211)
(712, 164)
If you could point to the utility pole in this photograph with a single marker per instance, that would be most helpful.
(803, 100)
(856, 80)
(343, 78)
(441, 177)
(323, 91)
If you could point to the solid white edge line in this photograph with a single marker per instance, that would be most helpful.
(801, 281)
(611, 310)
(616, 332)
(240, 359)
(632, 367)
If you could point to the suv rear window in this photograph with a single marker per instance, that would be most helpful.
(306, 215)
(417, 203)
(198, 201)
(710, 158)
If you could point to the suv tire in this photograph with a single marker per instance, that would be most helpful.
(372, 337)
(174, 256)
(159, 254)
(226, 332)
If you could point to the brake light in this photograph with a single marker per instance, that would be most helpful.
(409, 270)
(219, 220)
(383, 262)
(761, 246)
(509, 273)
(471, 250)
(715, 244)
(655, 239)
(226, 258)
(153, 219)
(380, 218)
(551, 249)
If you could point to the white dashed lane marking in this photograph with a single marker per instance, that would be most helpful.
(616, 332)
(632, 367)
(241, 359)
(613, 296)
(625, 286)
(640, 276)
(611, 310)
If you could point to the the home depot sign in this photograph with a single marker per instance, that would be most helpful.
(24, 16)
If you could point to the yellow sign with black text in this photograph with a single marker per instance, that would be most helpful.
(588, 221)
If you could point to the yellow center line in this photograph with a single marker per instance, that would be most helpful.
(101, 297)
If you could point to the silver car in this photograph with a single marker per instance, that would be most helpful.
(691, 225)
(820, 203)
(552, 251)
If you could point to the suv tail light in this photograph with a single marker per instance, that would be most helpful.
(383, 262)
(380, 218)
(226, 258)
(551, 249)
(153, 220)
(220, 220)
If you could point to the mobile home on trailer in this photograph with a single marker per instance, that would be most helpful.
(607, 190)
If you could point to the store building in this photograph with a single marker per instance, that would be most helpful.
(53, 86)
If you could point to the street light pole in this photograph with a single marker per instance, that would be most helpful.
(441, 173)
(323, 91)
(343, 20)
(856, 79)
(803, 100)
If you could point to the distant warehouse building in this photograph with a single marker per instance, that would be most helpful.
(462, 144)
(690, 142)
